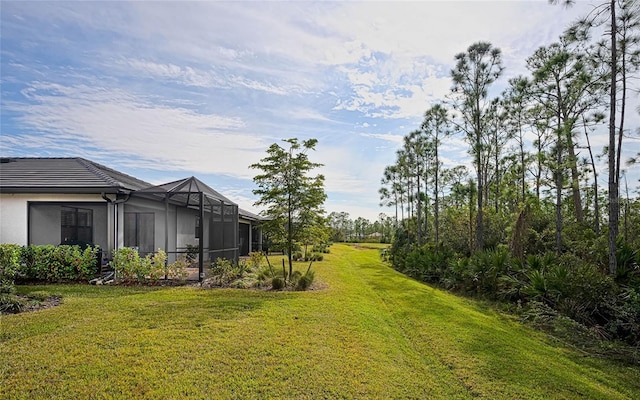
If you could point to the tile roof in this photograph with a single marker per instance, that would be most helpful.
(249, 215)
(69, 175)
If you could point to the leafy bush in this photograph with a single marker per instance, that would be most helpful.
(255, 259)
(224, 271)
(321, 248)
(628, 266)
(130, 267)
(178, 269)
(277, 283)
(193, 250)
(9, 266)
(12, 304)
(264, 273)
(58, 263)
(127, 264)
(568, 286)
(305, 281)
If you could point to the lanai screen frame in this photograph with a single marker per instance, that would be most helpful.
(193, 194)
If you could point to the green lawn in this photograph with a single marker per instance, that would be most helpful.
(372, 333)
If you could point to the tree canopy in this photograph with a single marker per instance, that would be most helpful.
(293, 198)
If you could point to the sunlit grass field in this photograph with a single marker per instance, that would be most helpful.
(370, 333)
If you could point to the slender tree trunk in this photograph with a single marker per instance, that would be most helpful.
(522, 166)
(497, 161)
(472, 245)
(596, 206)
(539, 172)
(289, 237)
(559, 169)
(437, 197)
(479, 244)
(419, 211)
(575, 177)
(559, 180)
(613, 172)
(426, 207)
(626, 211)
(395, 223)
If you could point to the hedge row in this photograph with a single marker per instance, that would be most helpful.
(46, 263)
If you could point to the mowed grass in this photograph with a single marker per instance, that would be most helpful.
(372, 333)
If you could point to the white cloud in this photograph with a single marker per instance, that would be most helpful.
(205, 87)
(118, 122)
(389, 137)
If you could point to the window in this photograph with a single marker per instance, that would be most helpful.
(76, 225)
(197, 227)
(139, 231)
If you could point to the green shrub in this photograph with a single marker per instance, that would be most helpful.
(58, 263)
(628, 269)
(178, 269)
(255, 259)
(305, 281)
(320, 248)
(130, 267)
(225, 272)
(193, 250)
(156, 265)
(12, 304)
(277, 283)
(9, 266)
(127, 264)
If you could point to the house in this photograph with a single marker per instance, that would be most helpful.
(78, 201)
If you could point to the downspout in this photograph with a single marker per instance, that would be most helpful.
(115, 214)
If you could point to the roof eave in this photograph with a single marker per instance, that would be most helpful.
(66, 190)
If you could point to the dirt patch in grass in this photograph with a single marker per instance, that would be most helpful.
(52, 301)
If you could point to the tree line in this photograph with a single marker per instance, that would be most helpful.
(530, 146)
(528, 222)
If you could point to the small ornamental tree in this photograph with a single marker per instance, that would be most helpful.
(293, 199)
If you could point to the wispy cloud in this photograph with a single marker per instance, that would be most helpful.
(119, 122)
(206, 87)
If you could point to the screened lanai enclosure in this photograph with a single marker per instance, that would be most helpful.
(54, 201)
(184, 217)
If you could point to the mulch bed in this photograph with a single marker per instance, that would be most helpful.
(32, 305)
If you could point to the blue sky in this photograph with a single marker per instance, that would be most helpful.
(165, 90)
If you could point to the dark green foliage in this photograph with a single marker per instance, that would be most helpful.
(293, 199)
(305, 281)
(277, 283)
(321, 248)
(11, 304)
(58, 263)
(564, 288)
(192, 252)
(130, 267)
(9, 265)
(225, 271)
(628, 270)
